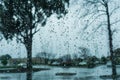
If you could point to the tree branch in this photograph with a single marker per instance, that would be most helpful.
(115, 22)
(114, 31)
(102, 3)
(20, 40)
(21, 35)
(91, 2)
(35, 31)
(102, 10)
(88, 13)
(35, 23)
(95, 30)
(96, 18)
(114, 10)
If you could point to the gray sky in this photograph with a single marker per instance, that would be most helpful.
(58, 34)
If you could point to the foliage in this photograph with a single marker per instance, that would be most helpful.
(20, 19)
(4, 62)
(19, 16)
(117, 52)
(103, 60)
(91, 61)
(5, 57)
(117, 55)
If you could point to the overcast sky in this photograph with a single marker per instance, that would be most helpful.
(57, 35)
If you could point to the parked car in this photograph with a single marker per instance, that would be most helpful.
(23, 65)
(55, 63)
(83, 63)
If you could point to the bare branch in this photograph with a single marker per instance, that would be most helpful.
(115, 30)
(20, 40)
(95, 30)
(105, 1)
(88, 13)
(94, 9)
(115, 22)
(91, 2)
(102, 10)
(102, 3)
(36, 31)
(93, 15)
(35, 27)
(96, 18)
(21, 35)
(95, 2)
(34, 24)
(114, 10)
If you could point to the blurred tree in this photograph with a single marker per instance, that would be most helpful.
(117, 55)
(4, 62)
(84, 52)
(66, 60)
(103, 60)
(101, 8)
(4, 59)
(46, 56)
(91, 61)
(20, 19)
(117, 52)
(75, 56)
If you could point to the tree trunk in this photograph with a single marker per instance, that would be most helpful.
(28, 45)
(112, 55)
(29, 62)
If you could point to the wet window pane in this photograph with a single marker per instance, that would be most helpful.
(59, 40)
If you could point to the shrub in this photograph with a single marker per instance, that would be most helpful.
(4, 62)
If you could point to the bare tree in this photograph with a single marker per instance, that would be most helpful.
(101, 8)
(75, 56)
(84, 52)
(45, 55)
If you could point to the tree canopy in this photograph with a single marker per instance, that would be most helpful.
(5, 57)
(18, 16)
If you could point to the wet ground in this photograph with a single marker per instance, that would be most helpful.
(81, 74)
